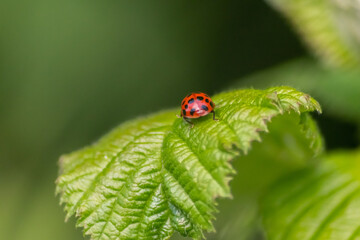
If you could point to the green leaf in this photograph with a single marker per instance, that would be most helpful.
(318, 203)
(347, 17)
(284, 150)
(321, 26)
(337, 90)
(156, 175)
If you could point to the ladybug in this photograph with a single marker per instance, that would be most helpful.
(196, 105)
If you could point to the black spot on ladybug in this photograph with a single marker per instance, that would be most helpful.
(184, 112)
(207, 100)
(183, 102)
(191, 101)
(200, 98)
(211, 104)
(192, 111)
(186, 106)
(205, 108)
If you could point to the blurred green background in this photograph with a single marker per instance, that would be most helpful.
(72, 70)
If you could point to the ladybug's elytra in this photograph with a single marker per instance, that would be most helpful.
(197, 105)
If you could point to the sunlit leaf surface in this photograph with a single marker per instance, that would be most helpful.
(153, 176)
(337, 90)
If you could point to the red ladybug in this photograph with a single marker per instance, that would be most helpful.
(197, 105)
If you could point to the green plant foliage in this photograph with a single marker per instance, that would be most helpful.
(336, 89)
(317, 203)
(284, 150)
(316, 21)
(156, 175)
(347, 18)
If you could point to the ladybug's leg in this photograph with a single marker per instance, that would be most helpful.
(179, 115)
(188, 121)
(213, 112)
